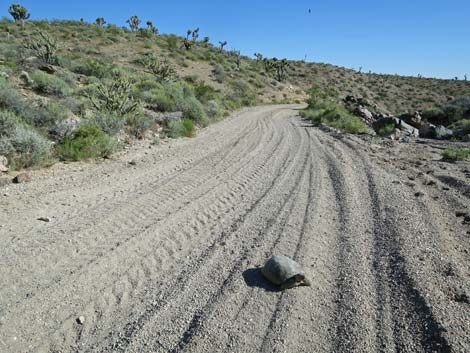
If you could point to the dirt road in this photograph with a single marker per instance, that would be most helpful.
(162, 256)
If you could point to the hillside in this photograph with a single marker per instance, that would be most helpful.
(62, 74)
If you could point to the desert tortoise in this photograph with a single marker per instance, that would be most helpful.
(284, 272)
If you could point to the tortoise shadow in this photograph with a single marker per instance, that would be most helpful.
(254, 278)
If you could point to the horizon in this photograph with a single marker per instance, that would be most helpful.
(376, 37)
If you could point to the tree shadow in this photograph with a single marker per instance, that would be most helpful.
(254, 278)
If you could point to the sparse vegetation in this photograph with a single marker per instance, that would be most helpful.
(453, 154)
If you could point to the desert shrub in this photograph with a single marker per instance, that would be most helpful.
(87, 142)
(172, 42)
(213, 109)
(50, 84)
(453, 154)
(45, 114)
(461, 127)
(386, 130)
(204, 93)
(10, 98)
(188, 128)
(23, 146)
(242, 94)
(178, 128)
(93, 67)
(193, 109)
(138, 124)
(219, 73)
(110, 123)
(337, 117)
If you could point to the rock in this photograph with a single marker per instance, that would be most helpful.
(4, 74)
(407, 129)
(132, 162)
(419, 194)
(162, 117)
(81, 320)
(365, 114)
(22, 178)
(50, 69)
(44, 219)
(4, 181)
(3, 169)
(64, 129)
(466, 218)
(4, 161)
(431, 131)
(443, 133)
(24, 76)
(460, 213)
(414, 120)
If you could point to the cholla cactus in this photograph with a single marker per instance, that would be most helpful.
(100, 21)
(44, 47)
(19, 13)
(162, 70)
(134, 23)
(151, 28)
(114, 96)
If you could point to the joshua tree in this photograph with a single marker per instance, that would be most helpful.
(222, 45)
(134, 23)
(360, 69)
(465, 77)
(238, 59)
(151, 28)
(19, 13)
(276, 66)
(100, 21)
(258, 56)
(205, 40)
(195, 35)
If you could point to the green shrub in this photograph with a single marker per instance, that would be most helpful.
(242, 94)
(461, 127)
(188, 128)
(172, 42)
(50, 84)
(23, 146)
(453, 154)
(93, 67)
(178, 128)
(337, 117)
(87, 142)
(219, 73)
(110, 123)
(138, 124)
(386, 130)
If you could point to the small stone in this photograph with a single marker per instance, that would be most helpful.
(81, 320)
(419, 194)
(44, 219)
(460, 213)
(466, 218)
(132, 162)
(22, 178)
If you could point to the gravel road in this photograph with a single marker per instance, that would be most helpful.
(163, 255)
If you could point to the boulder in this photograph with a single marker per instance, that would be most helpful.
(64, 129)
(414, 120)
(163, 117)
(50, 69)
(443, 133)
(3, 164)
(439, 132)
(24, 76)
(365, 114)
(406, 129)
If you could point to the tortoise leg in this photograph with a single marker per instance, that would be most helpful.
(306, 282)
(290, 283)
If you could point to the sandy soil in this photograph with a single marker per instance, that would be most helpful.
(164, 255)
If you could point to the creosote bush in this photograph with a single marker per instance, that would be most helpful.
(87, 142)
(453, 154)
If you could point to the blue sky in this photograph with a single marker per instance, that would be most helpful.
(408, 37)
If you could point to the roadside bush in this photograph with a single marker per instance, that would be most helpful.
(87, 142)
(453, 154)
(219, 73)
(338, 118)
(138, 124)
(23, 146)
(50, 84)
(213, 110)
(178, 128)
(461, 127)
(110, 123)
(242, 94)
